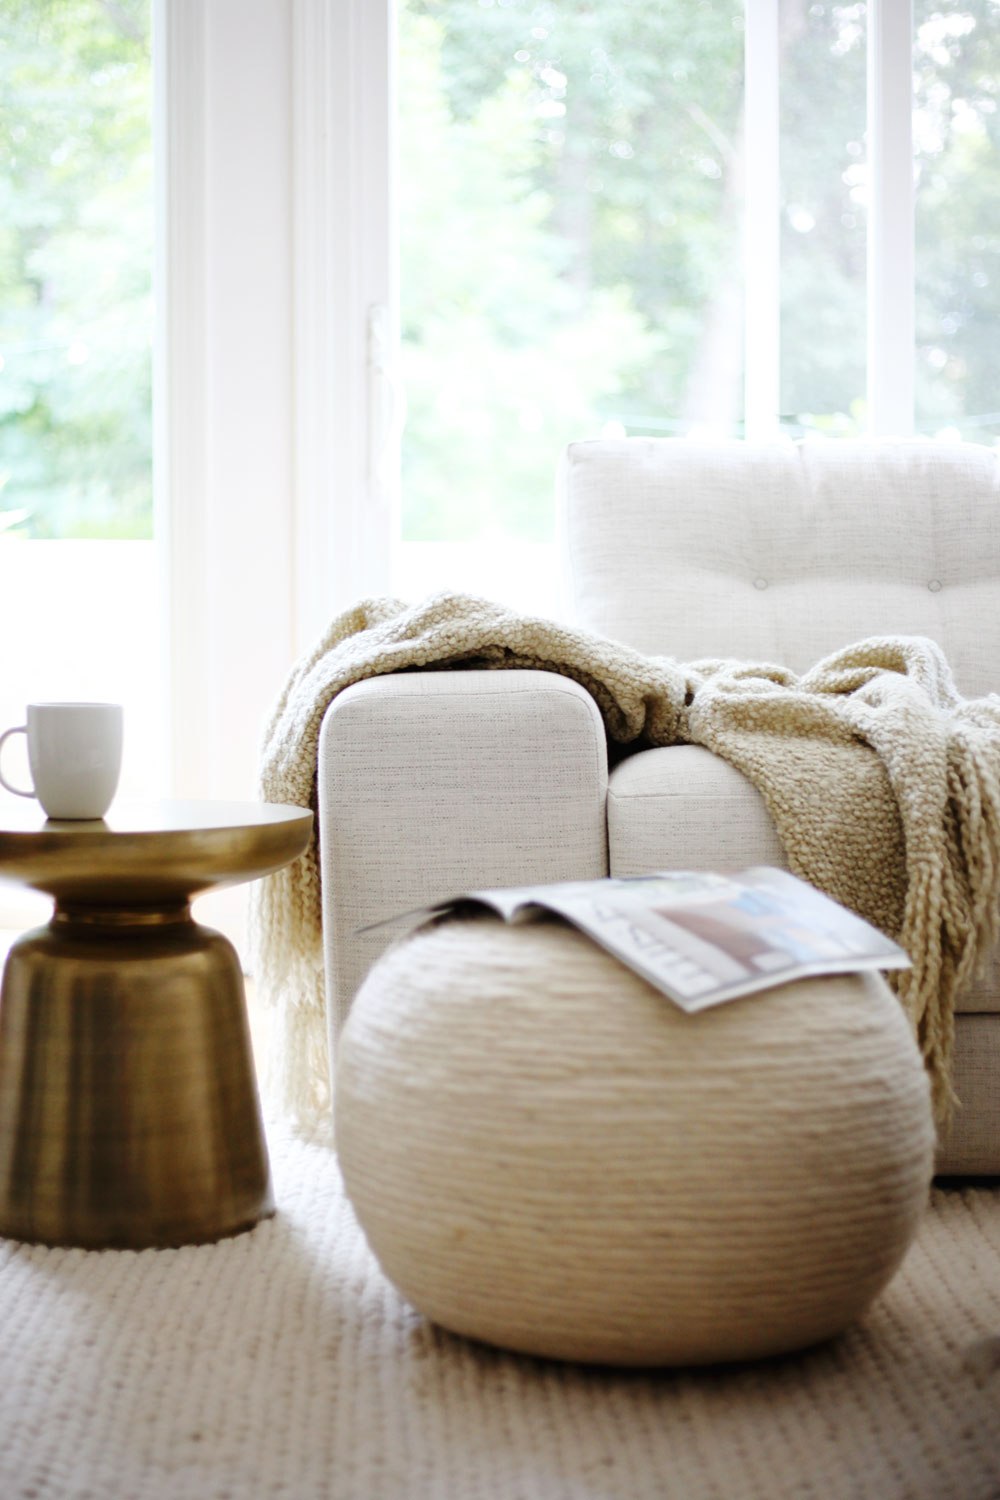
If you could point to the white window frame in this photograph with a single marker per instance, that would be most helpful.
(762, 222)
(348, 409)
(891, 252)
(891, 262)
(273, 420)
(278, 409)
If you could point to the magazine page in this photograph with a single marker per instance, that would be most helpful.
(705, 938)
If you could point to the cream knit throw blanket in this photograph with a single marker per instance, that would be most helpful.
(884, 785)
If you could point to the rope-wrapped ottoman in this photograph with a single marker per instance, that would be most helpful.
(546, 1154)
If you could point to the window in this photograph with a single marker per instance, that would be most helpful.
(76, 243)
(656, 216)
(957, 147)
(78, 574)
(570, 242)
(193, 631)
(759, 283)
(822, 217)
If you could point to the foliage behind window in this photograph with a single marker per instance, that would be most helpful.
(75, 266)
(569, 182)
(572, 252)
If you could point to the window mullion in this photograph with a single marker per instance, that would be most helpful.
(224, 420)
(344, 287)
(181, 377)
(762, 221)
(891, 337)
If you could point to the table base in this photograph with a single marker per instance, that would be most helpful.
(129, 1114)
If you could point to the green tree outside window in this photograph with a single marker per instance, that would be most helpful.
(76, 267)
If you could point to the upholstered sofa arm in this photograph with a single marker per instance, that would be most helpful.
(431, 783)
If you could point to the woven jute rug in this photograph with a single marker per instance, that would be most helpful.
(281, 1365)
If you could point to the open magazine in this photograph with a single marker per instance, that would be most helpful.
(704, 938)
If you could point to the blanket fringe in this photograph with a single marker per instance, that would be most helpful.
(922, 988)
(295, 1077)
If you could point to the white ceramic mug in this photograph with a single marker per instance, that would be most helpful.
(75, 757)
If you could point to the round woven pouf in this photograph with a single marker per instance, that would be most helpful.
(546, 1154)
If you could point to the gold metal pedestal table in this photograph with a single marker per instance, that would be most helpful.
(129, 1113)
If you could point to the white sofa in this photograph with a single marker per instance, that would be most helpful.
(430, 783)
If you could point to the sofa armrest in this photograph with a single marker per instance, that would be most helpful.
(432, 783)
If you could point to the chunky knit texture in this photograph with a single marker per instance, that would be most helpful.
(282, 1365)
(884, 785)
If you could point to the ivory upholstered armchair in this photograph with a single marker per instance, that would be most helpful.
(432, 783)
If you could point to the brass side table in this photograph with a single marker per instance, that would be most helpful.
(129, 1113)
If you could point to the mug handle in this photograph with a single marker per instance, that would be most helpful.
(21, 729)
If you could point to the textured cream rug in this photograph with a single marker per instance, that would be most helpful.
(280, 1365)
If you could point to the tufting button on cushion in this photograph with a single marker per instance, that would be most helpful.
(761, 583)
(935, 585)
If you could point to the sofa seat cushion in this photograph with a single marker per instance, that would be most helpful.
(683, 808)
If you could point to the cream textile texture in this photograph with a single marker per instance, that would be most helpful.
(883, 783)
(439, 810)
(546, 1156)
(785, 551)
(684, 800)
(281, 1365)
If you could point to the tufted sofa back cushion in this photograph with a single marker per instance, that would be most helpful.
(785, 551)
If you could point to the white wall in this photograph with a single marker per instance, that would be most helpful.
(80, 621)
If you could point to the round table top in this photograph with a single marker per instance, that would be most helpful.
(147, 853)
